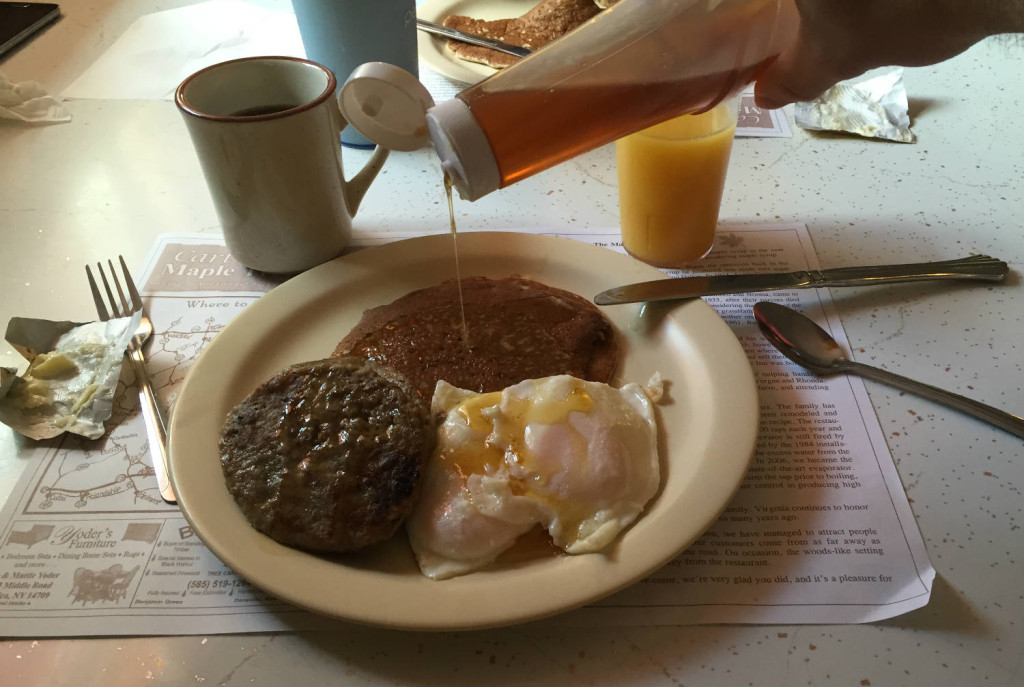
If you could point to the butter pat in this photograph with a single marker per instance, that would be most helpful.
(50, 365)
(33, 393)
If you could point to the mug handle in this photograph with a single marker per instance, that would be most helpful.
(355, 188)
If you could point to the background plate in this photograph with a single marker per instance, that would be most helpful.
(431, 48)
(708, 427)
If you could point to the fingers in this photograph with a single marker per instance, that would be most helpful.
(799, 74)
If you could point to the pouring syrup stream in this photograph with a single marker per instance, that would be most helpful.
(455, 245)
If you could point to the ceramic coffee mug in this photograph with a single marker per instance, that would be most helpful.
(266, 133)
(343, 34)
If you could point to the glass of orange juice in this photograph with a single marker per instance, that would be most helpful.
(671, 178)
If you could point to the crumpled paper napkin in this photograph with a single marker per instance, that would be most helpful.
(873, 106)
(29, 102)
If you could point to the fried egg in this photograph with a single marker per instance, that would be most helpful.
(577, 458)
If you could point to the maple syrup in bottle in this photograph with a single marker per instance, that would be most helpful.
(638, 63)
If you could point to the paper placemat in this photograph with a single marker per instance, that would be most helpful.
(820, 532)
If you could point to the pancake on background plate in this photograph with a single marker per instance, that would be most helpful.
(547, 21)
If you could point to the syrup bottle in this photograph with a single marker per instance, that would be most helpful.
(637, 63)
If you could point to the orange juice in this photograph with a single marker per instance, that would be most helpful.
(671, 177)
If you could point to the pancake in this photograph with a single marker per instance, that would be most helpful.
(549, 20)
(517, 329)
(327, 455)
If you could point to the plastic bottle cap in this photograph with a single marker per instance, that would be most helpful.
(465, 153)
(388, 105)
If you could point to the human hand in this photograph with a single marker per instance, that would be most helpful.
(840, 39)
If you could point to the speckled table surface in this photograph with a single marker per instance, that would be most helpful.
(122, 172)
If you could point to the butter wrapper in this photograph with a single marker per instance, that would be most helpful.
(71, 378)
(874, 106)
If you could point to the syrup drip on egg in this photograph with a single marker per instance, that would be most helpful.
(577, 458)
(508, 441)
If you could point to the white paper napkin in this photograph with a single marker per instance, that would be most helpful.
(29, 102)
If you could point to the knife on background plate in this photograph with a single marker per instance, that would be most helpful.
(980, 267)
(472, 39)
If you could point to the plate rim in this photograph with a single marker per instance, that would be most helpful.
(588, 570)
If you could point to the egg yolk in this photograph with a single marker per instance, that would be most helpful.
(507, 440)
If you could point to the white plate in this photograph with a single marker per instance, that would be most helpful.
(708, 430)
(431, 48)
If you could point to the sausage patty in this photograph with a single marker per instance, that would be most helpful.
(327, 455)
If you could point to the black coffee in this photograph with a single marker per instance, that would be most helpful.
(261, 110)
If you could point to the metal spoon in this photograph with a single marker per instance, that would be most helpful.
(808, 345)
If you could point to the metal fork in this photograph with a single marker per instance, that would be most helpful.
(156, 425)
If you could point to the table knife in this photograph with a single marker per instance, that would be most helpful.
(472, 39)
(980, 267)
